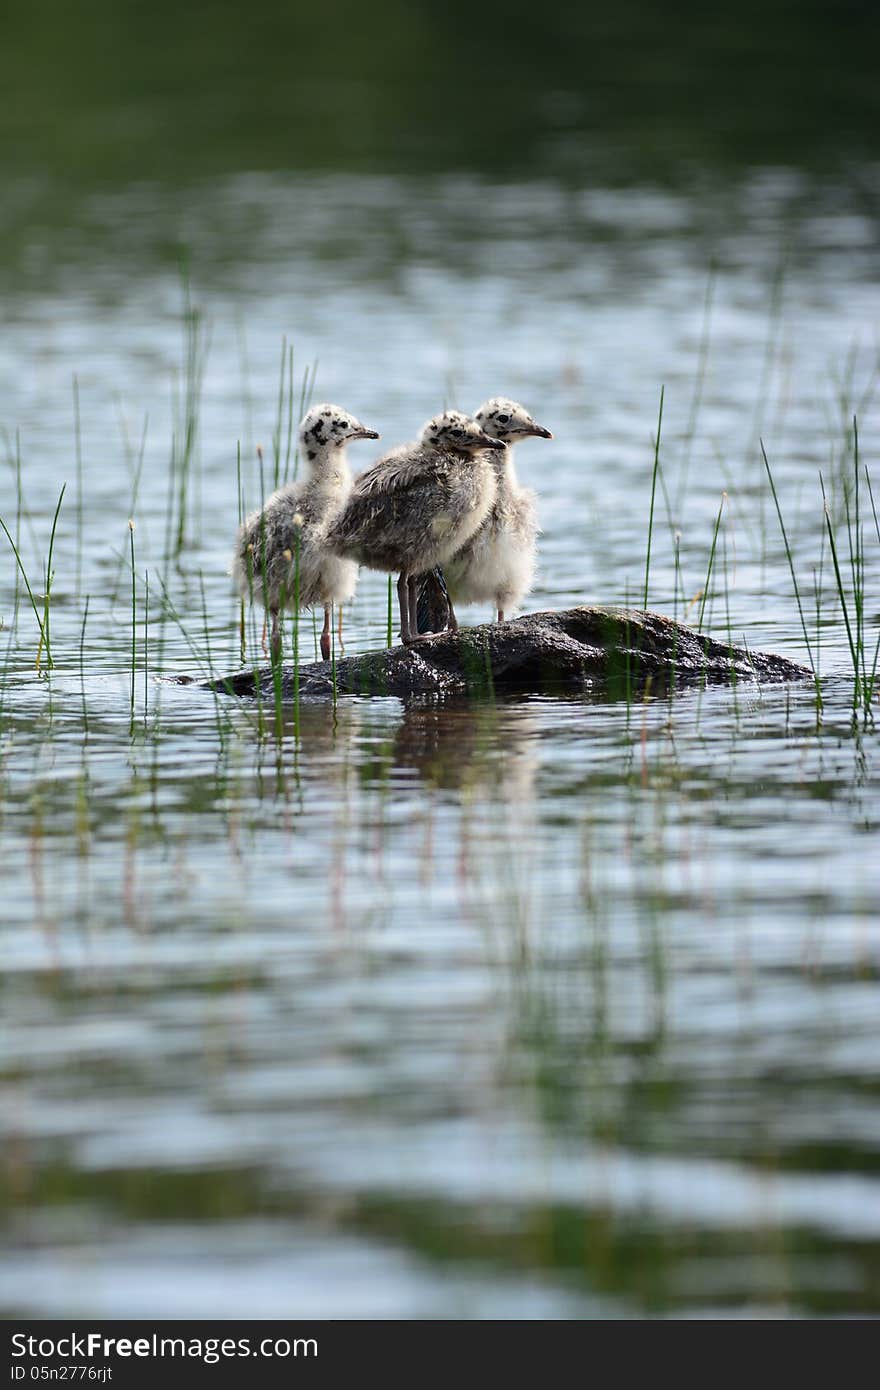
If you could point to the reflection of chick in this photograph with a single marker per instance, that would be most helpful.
(462, 746)
(280, 552)
(418, 505)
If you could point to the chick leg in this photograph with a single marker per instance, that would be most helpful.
(413, 610)
(412, 588)
(408, 598)
(501, 615)
(403, 604)
(276, 634)
(325, 632)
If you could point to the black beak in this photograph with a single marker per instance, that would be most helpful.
(365, 434)
(493, 443)
(539, 432)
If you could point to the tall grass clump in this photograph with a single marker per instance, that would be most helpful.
(697, 397)
(184, 439)
(48, 579)
(135, 462)
(146, 647)
(220, 717)
(285, 420)
(797, 593)
(133, 621)
(44, 643)
(82, 671)
(712, 550)
(654, 475)
(145, 663)
(852, 600)
(296, 592)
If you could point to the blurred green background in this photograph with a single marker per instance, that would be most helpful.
(104, 92)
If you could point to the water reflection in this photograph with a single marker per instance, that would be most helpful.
(470, 747)
(467, 1007)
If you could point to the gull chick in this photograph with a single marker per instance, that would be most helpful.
(418, 505)
(497, 565)
(281, 555)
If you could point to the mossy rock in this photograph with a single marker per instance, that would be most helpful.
(614, 649)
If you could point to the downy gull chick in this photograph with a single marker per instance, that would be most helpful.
(280, 551)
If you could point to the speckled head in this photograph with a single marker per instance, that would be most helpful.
(330, 427)
(508, 421)
(458, 432)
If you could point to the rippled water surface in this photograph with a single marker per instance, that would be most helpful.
(534, 1007)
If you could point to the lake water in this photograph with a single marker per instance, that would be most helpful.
(520, 1008)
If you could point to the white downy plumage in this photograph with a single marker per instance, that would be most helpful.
(281, 555)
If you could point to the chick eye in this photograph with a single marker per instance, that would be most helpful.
(503, 419)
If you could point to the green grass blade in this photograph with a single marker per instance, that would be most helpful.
(653, 495)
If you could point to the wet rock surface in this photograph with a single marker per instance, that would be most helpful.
(576, 649)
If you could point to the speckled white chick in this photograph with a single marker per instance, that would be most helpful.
(281, 555)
